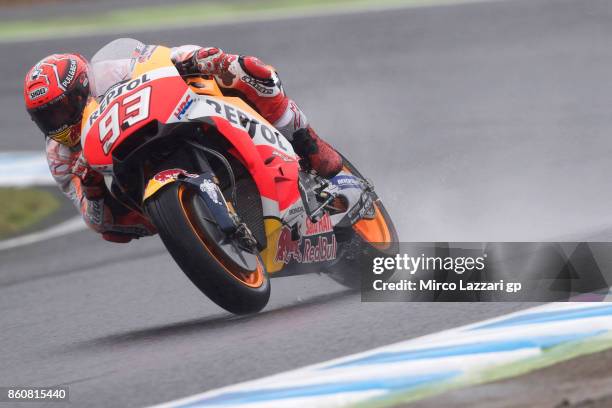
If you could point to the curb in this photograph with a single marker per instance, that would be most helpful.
(429, 365)
(24, 169)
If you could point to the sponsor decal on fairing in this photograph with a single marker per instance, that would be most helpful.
(318, 244)
(183, 107)
(116, 91)
(121, 88)
(346, 181)
(323, 226)
(261, 133)
(172, 174)
(296, 210)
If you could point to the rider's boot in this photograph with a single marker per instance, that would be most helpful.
(316, 153)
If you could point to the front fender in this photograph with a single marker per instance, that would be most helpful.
(161, 179)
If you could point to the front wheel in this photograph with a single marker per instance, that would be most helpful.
(234, 279)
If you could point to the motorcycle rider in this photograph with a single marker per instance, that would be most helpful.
(58, 87)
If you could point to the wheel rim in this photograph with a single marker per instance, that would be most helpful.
(253, 279)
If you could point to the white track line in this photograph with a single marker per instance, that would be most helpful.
(67, 227)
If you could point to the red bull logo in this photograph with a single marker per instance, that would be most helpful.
(324, 250)
(288, 249)
(171, 174)
(306, 249)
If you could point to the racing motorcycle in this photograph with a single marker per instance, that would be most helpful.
(222, 186)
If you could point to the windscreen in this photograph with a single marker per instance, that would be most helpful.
(113, 63)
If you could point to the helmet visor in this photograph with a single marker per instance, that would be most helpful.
(61, 113)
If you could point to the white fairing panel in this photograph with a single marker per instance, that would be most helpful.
(262, 133)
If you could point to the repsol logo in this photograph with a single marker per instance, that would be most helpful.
(252, 126)
(116, 91)
(37, 93)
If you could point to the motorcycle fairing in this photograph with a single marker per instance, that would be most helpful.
(127, 106)
(301, 241)
(266, 154)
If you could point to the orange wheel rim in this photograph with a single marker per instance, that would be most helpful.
(252, 279)
(375, 231)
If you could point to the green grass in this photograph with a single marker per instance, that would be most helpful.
(548, 358)
(185, 14)
(23, 207)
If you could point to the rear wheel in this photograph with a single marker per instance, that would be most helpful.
(366, 240)
(231, 277)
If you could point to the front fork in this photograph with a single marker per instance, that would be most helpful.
(220, 211)
(208, 189)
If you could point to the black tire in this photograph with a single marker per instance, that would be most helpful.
(356, 255)
(191, 242)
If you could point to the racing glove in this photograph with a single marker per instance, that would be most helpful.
(204, 61)
(92, 182)
(105, 214)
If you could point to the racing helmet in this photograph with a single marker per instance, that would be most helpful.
(56, 91)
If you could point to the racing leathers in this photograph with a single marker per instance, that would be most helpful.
(258, 84)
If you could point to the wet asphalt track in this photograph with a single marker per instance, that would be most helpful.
(476, 122)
